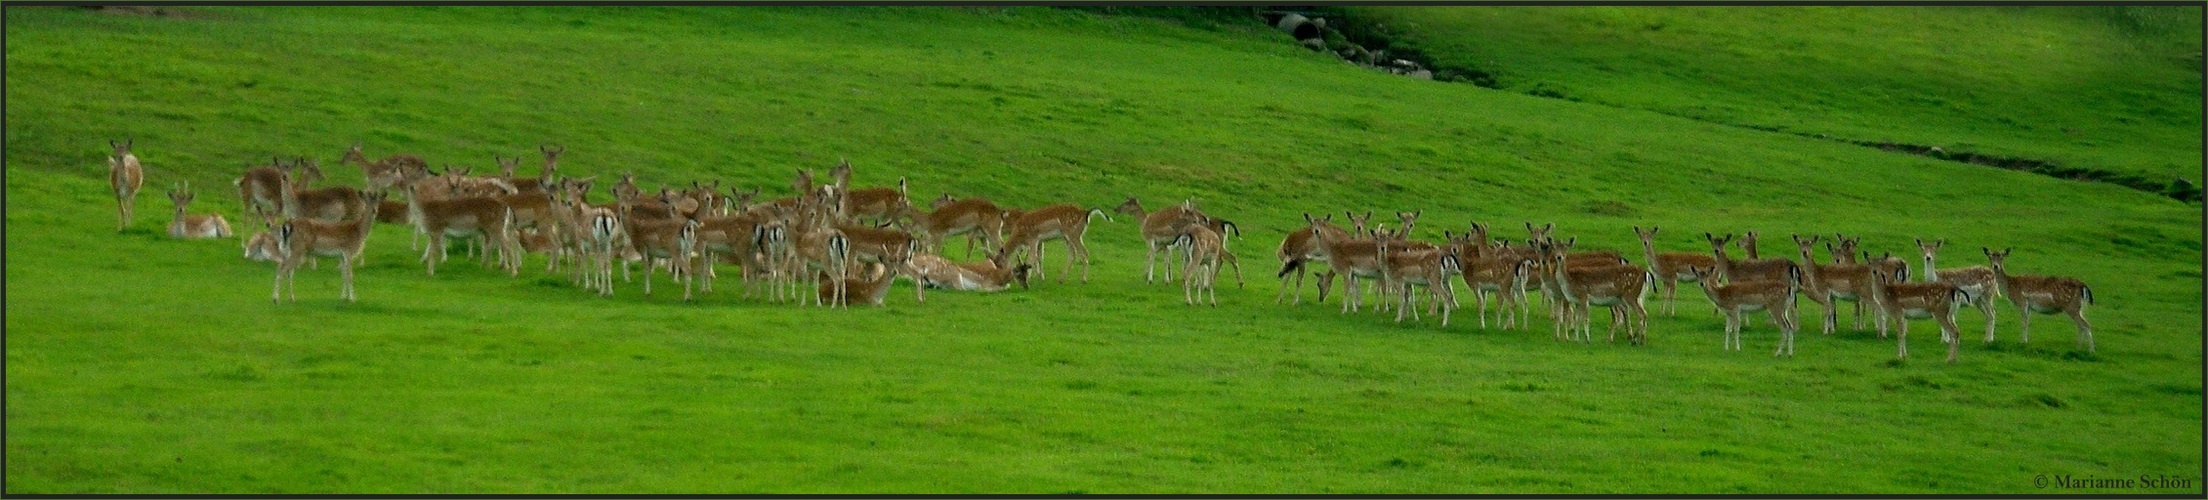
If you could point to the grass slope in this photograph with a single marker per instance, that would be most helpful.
(2105, 88)
(142, 365)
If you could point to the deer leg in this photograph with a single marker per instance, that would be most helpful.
(1985, 305)
(2085, 329)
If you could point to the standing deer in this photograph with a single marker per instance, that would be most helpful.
(124, 176)
(2044, 295)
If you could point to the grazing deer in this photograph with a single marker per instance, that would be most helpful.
(1031, 229)
(384, 173)
(970, 216)
(1159, 231)
(1741, 297)
(986, 276)
(1200, 273)
(473, 216)
(301, 237)
(186, 226)
(2044, 295)
(1902, 302)
(1977, 280)
(1827, 285)
(1302, 246)
(124, 176)
(1618, 285)
(1671, 268)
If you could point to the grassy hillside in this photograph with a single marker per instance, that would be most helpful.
(2103, 88)
(137, 364)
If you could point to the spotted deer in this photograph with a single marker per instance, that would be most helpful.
(1354, 257)
(2044, 295)
(1301, 247)
(1741, 297)
(1067, 222)
(1902, 302)
(124, 176)
(970, 216)
(1828, 284)
(384, 173)
(1620, 286)
(299, 237)
(1977, 280)
(1200, 273)
(1432, 268)
(1671, 268)
(469, 216)
(985, 276)
(1160, 230)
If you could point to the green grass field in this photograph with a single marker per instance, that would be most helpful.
(2103, 88)
(139, 364)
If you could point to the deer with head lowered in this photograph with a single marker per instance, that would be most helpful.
(300, 237)
(1671, 268)
(1056, 222)
(183, 225)
(1902, 302)
(124, 176)
(1741, 297)
(2044, 295)
(1977, 280)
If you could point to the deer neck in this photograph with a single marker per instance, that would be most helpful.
(1930, 274)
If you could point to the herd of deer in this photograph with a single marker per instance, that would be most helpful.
(848, 245)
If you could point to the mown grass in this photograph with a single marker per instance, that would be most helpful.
(2113, 88)
(143, 365)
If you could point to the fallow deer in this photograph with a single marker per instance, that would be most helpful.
(1159, 230)
(1671, 268)
(385, 173)
(2044, 295)
(1302, 247)
(188, 226)
(471, 216)
(1977, 280)
(1200, 273)
(1067, 222)
(301, 237)
(1619, 286)
(124, 176)
(1741, 297)
(1827, 285)
(1902, 302)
